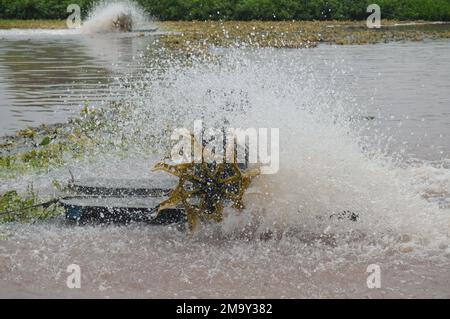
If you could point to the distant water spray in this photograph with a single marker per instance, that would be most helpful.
(102, 17)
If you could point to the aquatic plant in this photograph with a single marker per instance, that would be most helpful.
(15, 207)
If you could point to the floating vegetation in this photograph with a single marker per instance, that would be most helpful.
(48, 146)
(94, 131)
(293, 34)
(27, 133)
(50, 155)
(15, 207)
(32, 157)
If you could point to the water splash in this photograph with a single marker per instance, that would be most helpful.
(325, 165)
(100, 20)
(102, 17)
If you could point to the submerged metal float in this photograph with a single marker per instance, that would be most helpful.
(119, 201)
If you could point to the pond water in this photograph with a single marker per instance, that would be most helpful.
(346, 115)
(48, 77)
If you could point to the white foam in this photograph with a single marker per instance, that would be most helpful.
(102, 16)
(324, 169)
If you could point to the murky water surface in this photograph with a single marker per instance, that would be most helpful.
(47, 77)
(399, 94)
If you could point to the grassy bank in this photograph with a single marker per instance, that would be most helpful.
(243, 9)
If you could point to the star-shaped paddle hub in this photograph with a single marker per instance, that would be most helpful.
(204, 189)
